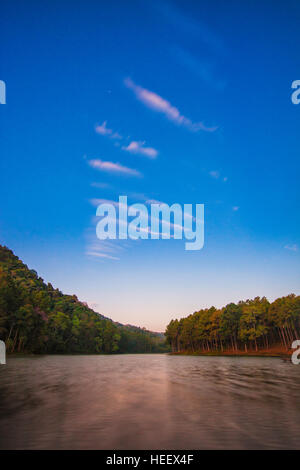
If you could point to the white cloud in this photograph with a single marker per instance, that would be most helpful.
(100, 249)
(215, 174)
(101, 185)
(101, 255)
(205, 70)
(157, 103)
(117, 136)
(112, 167)
(154, 201)
(292, 247)
(191, 26)
(95, 202)
(235, 208)
(137, 147)
(104, 130)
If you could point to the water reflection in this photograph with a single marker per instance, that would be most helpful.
(148, 402)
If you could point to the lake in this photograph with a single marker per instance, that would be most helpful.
(149, 402)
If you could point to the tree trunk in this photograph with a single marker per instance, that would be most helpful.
(15, 340)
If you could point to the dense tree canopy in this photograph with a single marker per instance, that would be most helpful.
(249, 325)
(35, 317)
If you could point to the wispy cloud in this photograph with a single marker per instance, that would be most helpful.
(235, 208)
(104, 130)
(137, 147)
(101, 185)
(117, 136)
(205, 70)
(112, 167)
(96, 201)
(153, 201)
(161, 105)
(292, 247)
(217, 175)
(100, 255)
(191, 26)
(101, 249)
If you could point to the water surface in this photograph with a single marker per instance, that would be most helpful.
(149, 402)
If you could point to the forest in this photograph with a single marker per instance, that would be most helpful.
(37, 318)
(248, 326)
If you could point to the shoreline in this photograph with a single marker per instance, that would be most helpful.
(27, 354)
(263, 353)
(283, 353)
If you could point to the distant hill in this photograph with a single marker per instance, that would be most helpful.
(37, 318)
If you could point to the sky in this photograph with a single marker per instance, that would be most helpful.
(177, 101)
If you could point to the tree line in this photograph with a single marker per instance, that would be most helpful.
(37, 318)
(250, 325)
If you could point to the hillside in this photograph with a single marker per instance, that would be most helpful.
(37, 318)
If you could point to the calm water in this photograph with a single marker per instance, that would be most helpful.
(148, 402)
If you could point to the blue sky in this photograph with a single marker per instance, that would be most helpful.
(196, 97)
